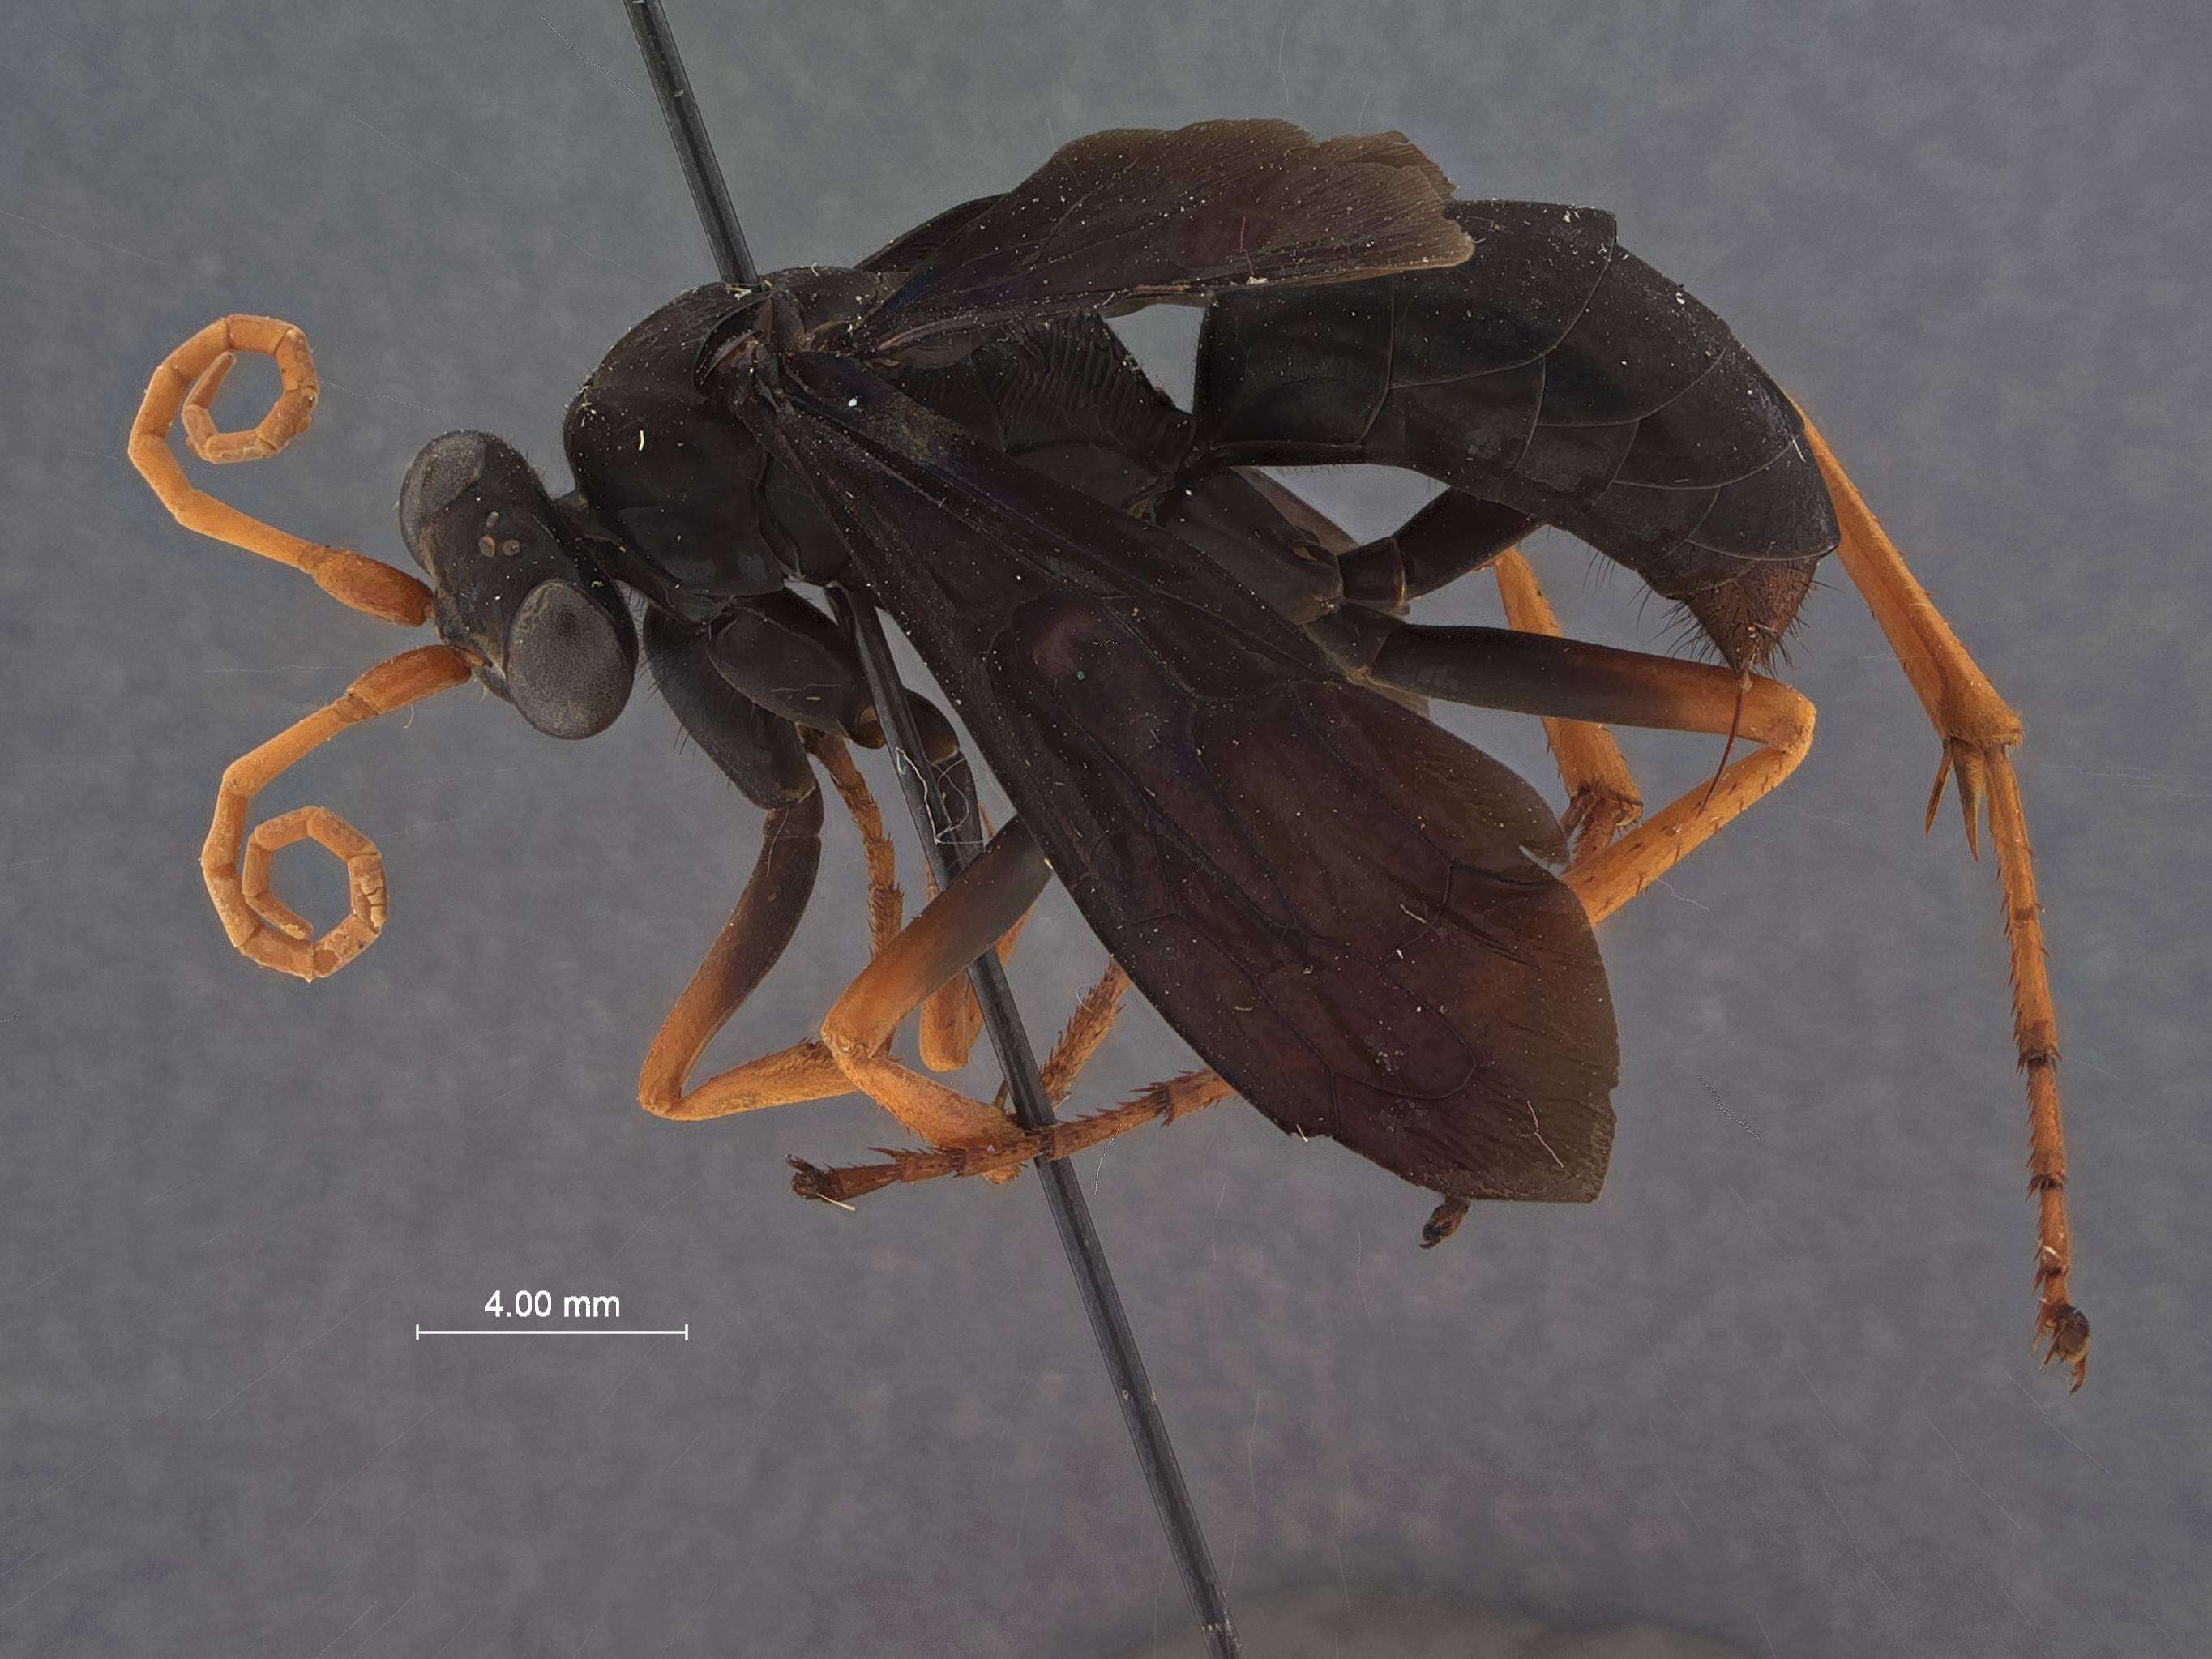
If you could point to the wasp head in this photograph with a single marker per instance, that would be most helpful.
(540, 621)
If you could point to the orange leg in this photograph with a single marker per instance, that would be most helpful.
(1773, 715)
(1574, 683)
(1587, 684)
(1977, 730)
(951, 1018)
(1165, 1101)
(886, 904)
(1095, 1014)
(1602, 799)
(754, 938)
(749, 945)
(988, 898)
(1095, 1011)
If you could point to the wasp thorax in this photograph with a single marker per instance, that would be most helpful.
(543, 625)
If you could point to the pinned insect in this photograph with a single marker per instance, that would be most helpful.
(1201, 696)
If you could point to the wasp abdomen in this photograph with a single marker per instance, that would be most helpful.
(1555, 373)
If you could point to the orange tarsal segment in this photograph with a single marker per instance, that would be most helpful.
(1979, 730)
(185, 385)
(238, 867)
(1163, 1101)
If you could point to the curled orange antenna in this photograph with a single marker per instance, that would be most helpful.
(185, 384)
(238, 867)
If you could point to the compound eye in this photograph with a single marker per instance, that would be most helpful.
(446, 468)
(570, 661)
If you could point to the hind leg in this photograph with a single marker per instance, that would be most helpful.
(1572, 681)
(1452, 536)
(1977, 730)
(1532, 673)
(1602, 799)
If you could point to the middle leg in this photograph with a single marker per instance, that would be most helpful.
(1174, 1098)
(960, 924)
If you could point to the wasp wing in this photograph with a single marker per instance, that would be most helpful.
(911, 250)
(1332, 900)
(1134, 215)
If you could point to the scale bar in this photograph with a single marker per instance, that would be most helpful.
(685, 1332)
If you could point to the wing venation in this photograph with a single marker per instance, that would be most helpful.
(1344, 909)
(1134, 215)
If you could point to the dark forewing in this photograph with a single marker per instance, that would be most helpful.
(1331, 899)
(1137, 215)
(911, 250)
(1065, 398)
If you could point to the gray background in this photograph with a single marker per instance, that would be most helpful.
(1774, 1389)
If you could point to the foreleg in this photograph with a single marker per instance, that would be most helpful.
(750, 944)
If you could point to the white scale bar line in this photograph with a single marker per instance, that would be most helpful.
(683, 1331)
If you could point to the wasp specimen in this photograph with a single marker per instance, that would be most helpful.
(1202, 699)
